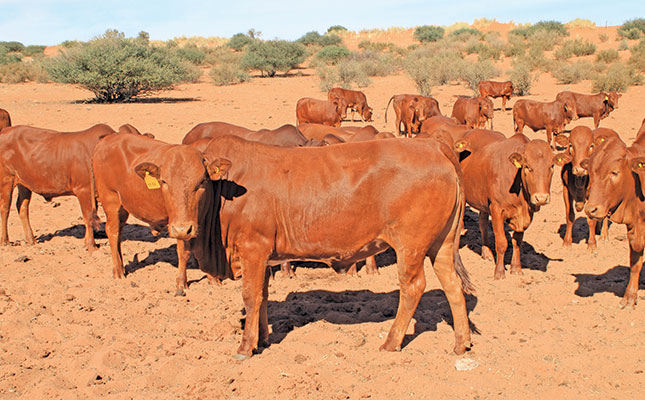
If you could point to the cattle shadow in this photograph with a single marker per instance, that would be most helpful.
(142, 100)
(614, 281)
(530, 258)
(351, 307)
(580, 231)
(135, 232)
(166, 254)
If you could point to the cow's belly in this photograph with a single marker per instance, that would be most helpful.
(343, 255)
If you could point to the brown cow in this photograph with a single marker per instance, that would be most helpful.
(551, 116)
(340, 204)
(412, 110)
(315, 111)
(353, 99)
(51, 164)
(162, 185)
(616, 191)
(441, 126)
(575, 180)
(127, 128)
(508, 179)
(5, 119)
(285, 136)
(597, 106)
(473, 112)
(496, 89)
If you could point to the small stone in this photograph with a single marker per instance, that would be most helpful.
(466, 364)
(621, 238)
(22, 259)
(69, 297)
(133, 284)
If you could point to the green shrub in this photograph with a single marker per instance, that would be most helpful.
(309, 38)
(332, 54)
(428, 33)
(581, 23)
(273, 55)
(567, 73)
(117, 69)
(522, 78)
(374, 46)
(551, 26)
(428, 68)
(329, 77)
(489, 53)
(374, 64)
(618, 78)
(544, 40)
(10, 58)
(575, 47)
(632, 29)
(33, 50)
(603, 37)
(23, 72)
(12, 47)
(637, 59)
(336, 28)
(607, 56)
(473, 73)
(515, 47)
(623, 45)
(191, 53)
(423, 78)
(239, 41)
(228, 74)
(351, 72)
(330, 40)
(464, 34)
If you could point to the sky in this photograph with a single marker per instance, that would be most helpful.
(52, 22)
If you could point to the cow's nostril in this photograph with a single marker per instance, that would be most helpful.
(190, 230)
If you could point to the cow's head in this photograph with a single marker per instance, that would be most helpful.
(610, 178)
(508, 89)
(486, 109)
(580, 145)
(183, 178)
(367, 114)
(341, 106)
(422, 109)
(570, 110)
(535, 165)
(612, 99)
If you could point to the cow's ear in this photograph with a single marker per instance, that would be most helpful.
(585, 163)
(461, 145)
(217, 168)
(637, 164)
(561, 159)
(517, 159)
(147, 169)
(562, 140)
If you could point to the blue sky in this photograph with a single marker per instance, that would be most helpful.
(52, 22)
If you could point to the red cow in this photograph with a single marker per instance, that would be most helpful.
(340, 204)
(285, 136)
(473, 112)
(508, 179)
(412, 110)
(496, 89)
(160, 184)
(5, 119)
(538, 115)
(597, 106)
(441, 125)
(51, 164)
(354, 99)
(324, 112)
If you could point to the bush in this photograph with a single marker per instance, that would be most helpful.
(428, 33)
(228, 74)
(329, 77)
(574, 47)
(573, 73)
(273, 55)
(23, 72)
(515, 47)
(374, 64)
(473, 73)
(464, 34)
(336, 28)
(522, 78)
(623, 45)
(632, 29)
(607, 56)
(239, 41)
(332, 54)
(618, 78)
(554, 27)
(309, 38)
(428, 68)
(544, 40)
(351, 72)
(637, 59)
(374, 46)
(117, 69)
(33, 50)
(330, 40)
(581, 23)
(191, 54)
(12, 47)
(603, 37)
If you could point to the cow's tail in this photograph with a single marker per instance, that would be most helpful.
(466, 285)
(388, 106)
(95, 218)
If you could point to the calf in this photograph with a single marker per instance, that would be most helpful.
(51, 164)
(160, 184)
(442, 126)
(496, 89)
(315, 111)
(285, 136)
(473, 112)
(5, 119)
(597, 106)
(616, 192)
(538, 115)
(412, 110)
(340, 204)
(353, 99)
(508, 179)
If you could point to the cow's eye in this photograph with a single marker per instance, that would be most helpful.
(570, 149)
(528, 169)
(615, 173)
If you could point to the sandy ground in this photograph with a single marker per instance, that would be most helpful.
(68, 330)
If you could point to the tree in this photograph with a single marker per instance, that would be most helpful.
(272, 56)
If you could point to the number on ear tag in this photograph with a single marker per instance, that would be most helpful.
(151, 181)
(517, 164)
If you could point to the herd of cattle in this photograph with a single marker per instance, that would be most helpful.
(240, 200)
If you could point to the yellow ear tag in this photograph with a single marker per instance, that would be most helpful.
(606, 98)
(460, 145)
(640, 165)
(151, 181)
(517, 164)
(602, 139)
(217, 170)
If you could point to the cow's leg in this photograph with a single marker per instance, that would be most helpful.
(114, 214)
(519, 124)
(516, 264)
(412, 282)
(183, 254)
(22, 205)
(263, 329)
(6, 192)
(287, 271)
(549, 136)
(487, 254)
(500, 241)
(591, 239)
(91, 220)
(504, 103)
(398, 125)
(569, 214)
(636, 264)
(370, 266)
(253, 283)
(596, 119)
(604, 231)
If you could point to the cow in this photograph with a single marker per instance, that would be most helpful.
(284, 136)
(51, 164)
(319, 131)
(5, 119)
(616, 192)
(315, 111)
(442, 126)
(551, 116)
(341, 204)
(575, 180)
(412, 110)
(353, 99)
(508, 179)
(163, 185)
(597, 105)
(496, 89)
(127, 128)
(473, 112)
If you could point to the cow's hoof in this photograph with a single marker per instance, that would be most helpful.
(180, 292)
(240, 357)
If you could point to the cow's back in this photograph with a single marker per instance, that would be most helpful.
(213, 129)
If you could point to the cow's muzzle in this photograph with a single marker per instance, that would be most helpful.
(595, 211)
(182, 232)
(540, 199)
